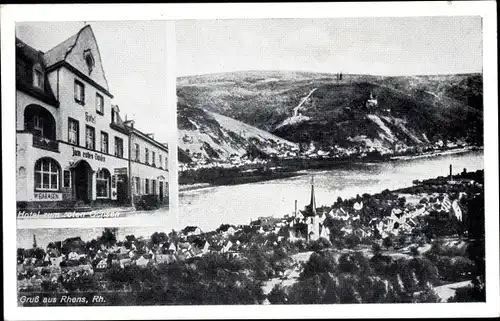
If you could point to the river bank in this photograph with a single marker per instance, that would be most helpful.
(192, 180)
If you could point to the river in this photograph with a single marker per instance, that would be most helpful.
(237, 204)
(209, 207)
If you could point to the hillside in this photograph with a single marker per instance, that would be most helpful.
(316, 107)
(209, 136)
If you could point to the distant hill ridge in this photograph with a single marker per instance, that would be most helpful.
(417, 110)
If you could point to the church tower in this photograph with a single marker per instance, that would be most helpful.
(312, 204)
(312, 216)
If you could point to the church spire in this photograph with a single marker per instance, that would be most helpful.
(312, 205)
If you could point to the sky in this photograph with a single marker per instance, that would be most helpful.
(134, 52)
(380, 46)
(133, 56)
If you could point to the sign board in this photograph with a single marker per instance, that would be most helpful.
(48, 196)
(89, 155)
(121, 171)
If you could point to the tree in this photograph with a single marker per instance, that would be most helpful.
(38, 253)
(20, 255)
(157, 238)
(427, 296)
(278, 295)
(387, 242)
(108, 237)
(376, 249)
(318, 263)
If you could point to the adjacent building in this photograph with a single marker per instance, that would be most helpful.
(72, 147)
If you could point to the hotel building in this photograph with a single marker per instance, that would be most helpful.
(73, 150)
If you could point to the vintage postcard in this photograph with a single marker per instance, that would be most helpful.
(265, 161)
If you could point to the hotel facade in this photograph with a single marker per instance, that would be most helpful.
(73, 150)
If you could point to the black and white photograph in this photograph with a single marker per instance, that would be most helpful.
(91, 130)
(250, 160)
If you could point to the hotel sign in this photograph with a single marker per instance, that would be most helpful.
(48, 196)
(121, 171)
(89, 155)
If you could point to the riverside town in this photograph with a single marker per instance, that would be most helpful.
(73, 149)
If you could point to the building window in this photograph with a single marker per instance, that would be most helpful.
(146, 185)
(113, 181)
(99, 104)
(73, 131)
(37, 77)
(102, 183)
(79, 92)
(153, 157)
(47, 175)
(166, 163)
(154, 186)
(66, 178)
(118, 147)
(137, 185)
(147, 155)
(137, 153)
(159, 162)
(104, 142)
(89, 137)
(38, 125)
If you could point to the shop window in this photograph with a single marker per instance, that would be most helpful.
(89, 137)
(104, 142)
(47, 175)
(73, 131)
(102, 183)
(79, 92)
(66, 178)
(118, 147)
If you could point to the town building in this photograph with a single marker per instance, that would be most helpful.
(148, 165)
(72, 147)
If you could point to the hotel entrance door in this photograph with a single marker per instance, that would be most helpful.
(82, 181)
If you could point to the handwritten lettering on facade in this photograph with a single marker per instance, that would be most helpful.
(89, 118)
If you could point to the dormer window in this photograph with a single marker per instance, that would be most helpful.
(37, 77)
(89, 60)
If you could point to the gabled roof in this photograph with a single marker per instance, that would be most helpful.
(59, 52)
(26, 58)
